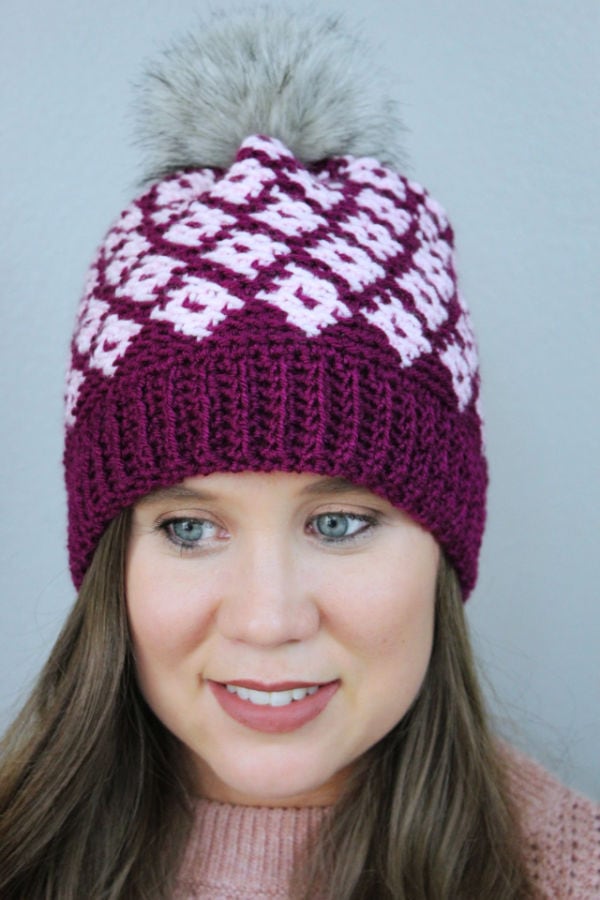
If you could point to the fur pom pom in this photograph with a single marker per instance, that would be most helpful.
(299, 77)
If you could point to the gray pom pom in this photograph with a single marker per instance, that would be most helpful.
(299, 77)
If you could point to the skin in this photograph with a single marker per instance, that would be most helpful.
(260, 590)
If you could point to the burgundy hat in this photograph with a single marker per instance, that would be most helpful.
(286, 309)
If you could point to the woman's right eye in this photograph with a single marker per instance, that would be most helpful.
(188, 533)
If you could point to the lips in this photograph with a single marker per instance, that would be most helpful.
(273, 708)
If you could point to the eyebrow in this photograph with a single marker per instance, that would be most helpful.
(176, 492)
(336, 485)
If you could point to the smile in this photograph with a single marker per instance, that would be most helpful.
(272, 698)
(282, 708)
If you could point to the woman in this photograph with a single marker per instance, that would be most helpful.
(276, 488)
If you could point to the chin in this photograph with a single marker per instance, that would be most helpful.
(276, 781)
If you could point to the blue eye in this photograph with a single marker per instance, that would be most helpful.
(335, 526)
(189, 532)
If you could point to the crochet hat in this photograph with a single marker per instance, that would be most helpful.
(279, 298)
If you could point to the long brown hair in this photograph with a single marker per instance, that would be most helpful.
(95, 792)
(92, 787)
(427, 814)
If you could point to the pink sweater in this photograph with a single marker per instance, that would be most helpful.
(243, 853)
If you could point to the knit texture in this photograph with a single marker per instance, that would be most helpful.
(278, 316)
(562, 831)
(243, 853)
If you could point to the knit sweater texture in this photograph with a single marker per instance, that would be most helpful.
(243, 852)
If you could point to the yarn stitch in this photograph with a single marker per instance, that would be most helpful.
(278, 316)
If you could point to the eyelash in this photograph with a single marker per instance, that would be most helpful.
(369, 522)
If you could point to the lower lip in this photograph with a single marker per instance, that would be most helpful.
(274, 719)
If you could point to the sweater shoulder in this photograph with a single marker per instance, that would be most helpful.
(561, 831)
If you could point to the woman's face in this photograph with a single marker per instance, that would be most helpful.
(282, 624)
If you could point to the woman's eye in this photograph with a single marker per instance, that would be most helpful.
(190, 532)
(336, 526)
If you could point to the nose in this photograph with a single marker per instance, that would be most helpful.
(267, 601)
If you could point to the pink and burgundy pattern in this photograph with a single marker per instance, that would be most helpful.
(278, 316)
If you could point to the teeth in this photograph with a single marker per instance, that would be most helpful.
(271, 698)
(258, 697)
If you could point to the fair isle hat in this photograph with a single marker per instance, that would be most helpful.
(278, 298)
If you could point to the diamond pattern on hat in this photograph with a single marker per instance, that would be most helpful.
(309, 302)
(183, 247)
(246, 253)
(197, 308)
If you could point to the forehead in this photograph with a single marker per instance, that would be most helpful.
(218, 484)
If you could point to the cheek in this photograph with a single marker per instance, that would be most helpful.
(168, 614)
(387, 610)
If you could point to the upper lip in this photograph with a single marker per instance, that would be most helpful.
(269, 687)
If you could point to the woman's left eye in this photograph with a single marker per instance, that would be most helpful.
(339, 526)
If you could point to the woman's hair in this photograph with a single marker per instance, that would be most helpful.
(95, 792)
(92, 796)
(427, 814)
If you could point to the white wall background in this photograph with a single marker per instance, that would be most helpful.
(502, 99)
